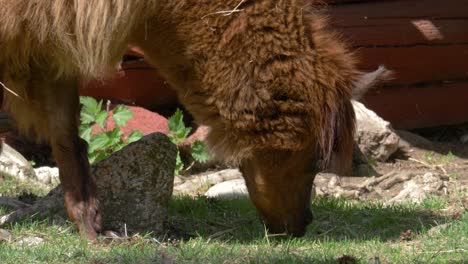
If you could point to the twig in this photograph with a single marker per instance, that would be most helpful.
(189, 167)
(222, 232)
(13, 203)
(108, 102)
(41, 208)
(444, 251)
(436, 166)
(10, 91)
(228, 12)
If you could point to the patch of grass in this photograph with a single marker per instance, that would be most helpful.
(4, 210)
(429, 157)
(63, 245)
(446, 159)
(13, 187)
(210, 231)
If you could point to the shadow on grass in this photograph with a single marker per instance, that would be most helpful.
(334, 219)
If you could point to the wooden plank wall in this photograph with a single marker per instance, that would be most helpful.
(425, 42)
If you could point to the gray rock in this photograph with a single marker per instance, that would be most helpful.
(420, 187)
(206, 180)
(375, 137)
(135, 184)
(178, 180)
(409, 141)
(393, 187)
(14, 164)
(51, 204)
(12, 203)
(30, 241)
(228, 190)
(47, 175)
(464, 139)
(5, 235)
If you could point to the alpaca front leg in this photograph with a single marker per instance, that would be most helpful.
(61, 103)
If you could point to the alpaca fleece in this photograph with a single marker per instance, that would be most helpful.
(270, 80)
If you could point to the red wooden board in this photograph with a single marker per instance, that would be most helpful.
(416, 107)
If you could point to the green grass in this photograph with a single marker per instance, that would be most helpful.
(12, 187)
(210, 231)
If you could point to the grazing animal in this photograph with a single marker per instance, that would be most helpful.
(272, 83)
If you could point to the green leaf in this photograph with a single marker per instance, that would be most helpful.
(179, 164)
(90, 110)
(85, 132)
(175, 122)
(115, 136)
(98, 142)
(173, 139)
(177, 129)
(90, 104)
(92, 157)
(199, 152)
(101, 119)
(86, 117)
(118, 147)
(121, 115)
(183, 133)
(97, 156)
(134, 136)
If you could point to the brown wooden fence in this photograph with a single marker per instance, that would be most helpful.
(425, 42)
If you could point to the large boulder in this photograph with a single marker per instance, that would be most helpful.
(135, 184)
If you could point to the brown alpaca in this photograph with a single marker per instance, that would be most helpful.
(272, 83)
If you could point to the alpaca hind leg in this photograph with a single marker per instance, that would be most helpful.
(70, 153)
(48, 110)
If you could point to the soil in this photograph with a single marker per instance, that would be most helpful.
(439, 149)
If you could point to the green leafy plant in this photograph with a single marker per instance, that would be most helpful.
(178, 132)
(446, 159)
(105, 141)
(429, 157)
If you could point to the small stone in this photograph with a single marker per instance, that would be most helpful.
(30, 241)
(464, 139)
(228, 190)
(202, 180)
(5, 235)
(47, 175)
(178, 181)
(14, 164)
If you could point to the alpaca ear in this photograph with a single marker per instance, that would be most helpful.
(369, 80)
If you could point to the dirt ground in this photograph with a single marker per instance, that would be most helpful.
(438, 149)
